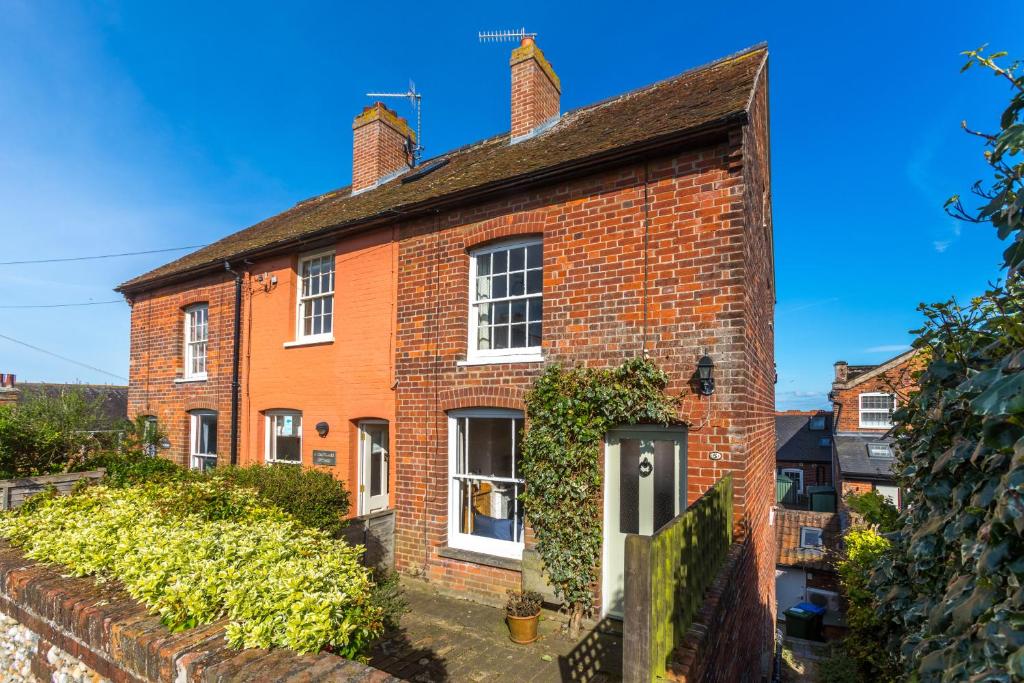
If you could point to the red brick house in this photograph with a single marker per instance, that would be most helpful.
(863, 399)
(803, 450)
(637, 225)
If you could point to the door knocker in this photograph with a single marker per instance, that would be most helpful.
(646, 467)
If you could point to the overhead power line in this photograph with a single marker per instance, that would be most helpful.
(83, 303)
(98, 256)
(63, 358)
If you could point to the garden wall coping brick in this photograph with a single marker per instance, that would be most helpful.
(119, 639)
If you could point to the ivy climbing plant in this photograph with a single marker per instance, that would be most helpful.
(569, 411)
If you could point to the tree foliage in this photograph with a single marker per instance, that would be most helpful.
(45, 434)
(875, 509)
(569, 411)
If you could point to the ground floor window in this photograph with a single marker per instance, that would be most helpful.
(203, 439)
(284, 436)
(484, 512)
(797, 475)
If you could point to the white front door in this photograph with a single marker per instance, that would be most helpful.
(645, 488)
(374, 484)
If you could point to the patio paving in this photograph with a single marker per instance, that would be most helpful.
(444, 638)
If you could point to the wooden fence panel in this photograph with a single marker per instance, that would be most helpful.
(14, 492)
(667, 576)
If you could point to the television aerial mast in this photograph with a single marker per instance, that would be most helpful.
(415, 100)
(519, 35)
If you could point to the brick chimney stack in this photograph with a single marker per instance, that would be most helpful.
(842, 371)
(8, 392)
(535, 90)
(381, 146)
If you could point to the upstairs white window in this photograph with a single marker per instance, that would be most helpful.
(810, 537)
(284, 436)
(879, 450)
(506, 301)
(485, 514)
(316, 297)
(876, 410)
(203, 439)
(196, 335)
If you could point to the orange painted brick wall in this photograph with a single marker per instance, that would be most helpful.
(338, 383)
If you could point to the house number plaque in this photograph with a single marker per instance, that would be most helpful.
(325, 458)
(646, 467)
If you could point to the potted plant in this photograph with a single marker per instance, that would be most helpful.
(523, 611)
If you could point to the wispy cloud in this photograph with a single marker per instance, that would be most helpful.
(887, 348)
(806, 305)
(941, 245)
(800, 400)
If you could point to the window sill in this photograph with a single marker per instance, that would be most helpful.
(309, 342)
(188, 380)
(480, 558)
(498, 360)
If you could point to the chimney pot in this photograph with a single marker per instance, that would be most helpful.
(536, 90)
(379, 146)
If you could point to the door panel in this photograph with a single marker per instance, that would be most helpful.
(374, 484)
(645, 488)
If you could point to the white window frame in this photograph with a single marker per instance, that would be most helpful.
(861, 410)
(191, 345)
(456, 538)
(811, 529)
(511, 355)
(197, 457)
(794, 470)
(888, 447)
(302, 301)
(892, 493)
(269, 448)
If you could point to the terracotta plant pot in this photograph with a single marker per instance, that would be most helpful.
(523, 630)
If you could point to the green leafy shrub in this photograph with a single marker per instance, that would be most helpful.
(875, 509)
(839, 667)
(313, 497)
(389, 597)
(570, 410)
(134, 467)
(224, 554)
(862, 549)
(46, 434)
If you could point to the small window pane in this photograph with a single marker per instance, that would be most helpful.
(517, 259)
(501, 337)
(499, 263)
(501, 313)
(533, 256)
(483, 337)
(499, 287)
(516, 284)
(483, 287)
(483, 264)
(535, 334)
(484, 313)
(518, 337)
(536, 310)
(534, 280)
(519, 311)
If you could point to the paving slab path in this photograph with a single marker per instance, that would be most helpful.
(444, 638)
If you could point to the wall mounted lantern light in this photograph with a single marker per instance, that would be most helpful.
(322, 428)
(165, 443)
(705, 370)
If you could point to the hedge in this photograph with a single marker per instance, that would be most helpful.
(196, 551)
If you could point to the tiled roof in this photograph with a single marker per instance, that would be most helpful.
(852, 454)
(702, 99)
(795, 442)
(787, 538)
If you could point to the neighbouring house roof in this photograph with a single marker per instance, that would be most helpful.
(853, 458)
(787, 538)
(697, 102)
(861, 373)
(796, 442)
(113, 399)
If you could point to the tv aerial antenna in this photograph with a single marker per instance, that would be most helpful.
(514, 35)
(415, 101)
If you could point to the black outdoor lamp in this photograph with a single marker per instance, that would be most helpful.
(165, 443)
(322, 428)
(705, 368)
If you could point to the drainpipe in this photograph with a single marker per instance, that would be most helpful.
(236, 344)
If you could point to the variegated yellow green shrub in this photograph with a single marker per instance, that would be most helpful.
(198, 551)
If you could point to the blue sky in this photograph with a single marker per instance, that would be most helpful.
(135, 126)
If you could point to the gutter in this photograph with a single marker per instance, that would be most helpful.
(236, 343)
(704, 134)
